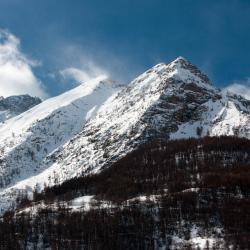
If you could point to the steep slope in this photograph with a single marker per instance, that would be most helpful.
(174, 100)
(14, 105)
(169, 101)
(28, 138)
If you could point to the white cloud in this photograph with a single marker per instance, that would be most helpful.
(16, 75)
(87, 71)
(77, 63)
(242, 88)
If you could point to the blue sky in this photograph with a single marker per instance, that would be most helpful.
(61, 41)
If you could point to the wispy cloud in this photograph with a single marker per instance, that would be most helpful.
(240, 88)
(16, 69)
(79, 63)
(87, 71)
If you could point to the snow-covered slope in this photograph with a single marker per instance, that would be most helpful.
(50, 143)
(14, 105)
(27, 139)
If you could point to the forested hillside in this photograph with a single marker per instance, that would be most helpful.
(183, 194)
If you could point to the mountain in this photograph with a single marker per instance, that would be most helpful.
(169, 101)
(86, 129)
(109, 167)
(14, 105)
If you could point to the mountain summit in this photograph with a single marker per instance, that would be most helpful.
(183, 69)
(84, 130)
(14, 105)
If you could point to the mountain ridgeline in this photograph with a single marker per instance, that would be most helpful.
(118, 163)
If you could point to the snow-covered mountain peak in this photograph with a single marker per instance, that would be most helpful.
(100, 81)
(180, 60)
(94, 83)
(14, 105)
(172, 75)
(182, 69)
(109, 82)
